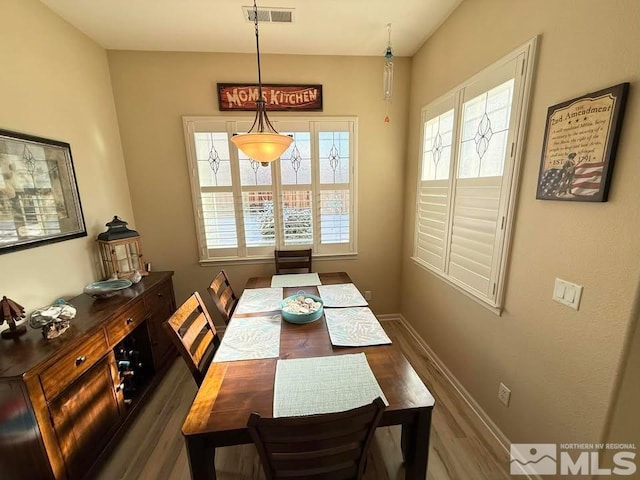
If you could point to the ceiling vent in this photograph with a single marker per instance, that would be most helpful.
(269, 15)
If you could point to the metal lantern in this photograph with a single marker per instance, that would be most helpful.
(120, 250)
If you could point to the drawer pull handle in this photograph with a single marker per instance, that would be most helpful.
(129, 321)
(80, 360)
(161, 294)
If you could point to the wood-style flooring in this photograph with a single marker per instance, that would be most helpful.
(461, 446)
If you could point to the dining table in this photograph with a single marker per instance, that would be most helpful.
(232, 390)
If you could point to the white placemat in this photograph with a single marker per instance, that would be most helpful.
(248, 338)
(354, 327)
(295, 280)
(256, 300)
(307, 386)
(341, 295)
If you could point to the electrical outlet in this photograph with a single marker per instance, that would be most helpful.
(504, 394)
(367, 295)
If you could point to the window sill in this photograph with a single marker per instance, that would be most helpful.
(270, 259)
(495, 309)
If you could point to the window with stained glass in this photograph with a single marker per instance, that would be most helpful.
(245, 209)
(470, 152)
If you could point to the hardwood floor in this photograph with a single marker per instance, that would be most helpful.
(462, 448)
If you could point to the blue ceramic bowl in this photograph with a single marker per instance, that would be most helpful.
(107, 288)
(302, 317)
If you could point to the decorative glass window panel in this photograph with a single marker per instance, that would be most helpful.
(334, 157)
(252, 172)
(436, 154)
(295, 162)
(463, 222)
(244, 210)
(214, 165)
(485, 128)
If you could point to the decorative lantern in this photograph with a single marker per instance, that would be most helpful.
(120, 251)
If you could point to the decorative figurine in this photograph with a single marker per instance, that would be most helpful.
(53, 319)
(10, 311)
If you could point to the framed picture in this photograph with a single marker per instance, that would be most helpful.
(39, 201)
(579, 149)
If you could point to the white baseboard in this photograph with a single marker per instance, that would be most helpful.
(466, 396)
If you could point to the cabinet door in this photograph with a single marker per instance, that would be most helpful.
(161, 306)
(84, 417)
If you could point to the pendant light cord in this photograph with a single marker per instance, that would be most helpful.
(255, 21)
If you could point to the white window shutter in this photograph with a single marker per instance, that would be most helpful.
(473, 233)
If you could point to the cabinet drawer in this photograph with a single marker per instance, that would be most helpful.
(160, 298)
(119, 327)
(73, 364)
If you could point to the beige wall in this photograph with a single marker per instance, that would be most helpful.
(154, 90)
(561, 365)
(54, 83)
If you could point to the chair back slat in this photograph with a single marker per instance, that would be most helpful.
(327, 446)
(193, 333)
(287, 260)
(223, 296)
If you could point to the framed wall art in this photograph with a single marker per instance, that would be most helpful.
(284, 97)
(579, 149)
(39, 201)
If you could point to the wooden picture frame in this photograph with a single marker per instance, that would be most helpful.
(580, 143)
(39, 200)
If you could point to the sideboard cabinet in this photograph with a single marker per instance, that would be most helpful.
(64, 401)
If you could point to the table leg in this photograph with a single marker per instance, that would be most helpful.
(201, 459)
(415, 445)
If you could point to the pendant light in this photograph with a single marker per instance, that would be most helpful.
(387, 76)
(262, 143)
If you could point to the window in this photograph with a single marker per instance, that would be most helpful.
(245, 210)
(471, 146)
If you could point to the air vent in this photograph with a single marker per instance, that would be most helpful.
(269, 15)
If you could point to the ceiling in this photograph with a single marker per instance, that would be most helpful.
(320, 27)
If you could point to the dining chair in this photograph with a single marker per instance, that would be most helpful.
(328, 446)
(293, 260)
(193, 333)
(223, 295)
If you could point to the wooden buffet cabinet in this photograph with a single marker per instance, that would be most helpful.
(64, 402)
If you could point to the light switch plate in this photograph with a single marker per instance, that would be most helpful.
(567, 293)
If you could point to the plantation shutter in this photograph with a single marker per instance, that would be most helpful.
(465, 199)
(334, 187)
(212, 187)
(296, 178)
(434, 186)
(487, 126)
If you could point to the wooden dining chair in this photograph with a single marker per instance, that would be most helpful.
(193, 333)
(293, 260)
(327, 446)
(223, 295)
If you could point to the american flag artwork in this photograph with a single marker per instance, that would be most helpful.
(570, 181)
(587, 179)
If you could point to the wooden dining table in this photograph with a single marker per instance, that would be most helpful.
(231, 391)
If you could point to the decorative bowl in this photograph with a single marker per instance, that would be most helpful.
(107, 288)
(302, 317)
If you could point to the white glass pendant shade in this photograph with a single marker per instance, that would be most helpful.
(262, 147)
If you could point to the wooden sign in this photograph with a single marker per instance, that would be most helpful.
(243, 96)
(580, 142)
